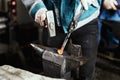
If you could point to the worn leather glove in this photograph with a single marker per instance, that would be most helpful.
(110, 4)
(86, 3)
(40, 16)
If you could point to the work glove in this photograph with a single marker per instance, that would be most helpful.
(110, 4)
(86, 3)
(40, 17)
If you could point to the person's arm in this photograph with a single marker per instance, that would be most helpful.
(27, 3)
(37, 10)
(36, 6)
(86, 3)
(40, 16)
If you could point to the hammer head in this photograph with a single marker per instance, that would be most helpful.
(51, 23)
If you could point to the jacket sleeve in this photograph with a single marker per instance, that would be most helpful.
(33, 6)
(100, 2)
(27, 3)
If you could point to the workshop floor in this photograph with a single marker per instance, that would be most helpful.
(106, 70)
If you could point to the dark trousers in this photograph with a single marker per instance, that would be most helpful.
(85, 36)
(113, 26)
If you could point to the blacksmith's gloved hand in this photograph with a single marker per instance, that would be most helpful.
(40, 17)
(86, 3)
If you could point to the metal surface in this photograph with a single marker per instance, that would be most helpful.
(56, 65)
(51, 23)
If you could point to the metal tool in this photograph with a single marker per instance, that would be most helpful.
(60, 51)
(59, 64)
(72, 26)
(50, 23)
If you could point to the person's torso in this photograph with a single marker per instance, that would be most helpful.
(67, 8)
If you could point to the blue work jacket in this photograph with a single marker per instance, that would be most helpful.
(67, 9)
(110, 15)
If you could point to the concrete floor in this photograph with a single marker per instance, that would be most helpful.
(106, 70)
(106, 75)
